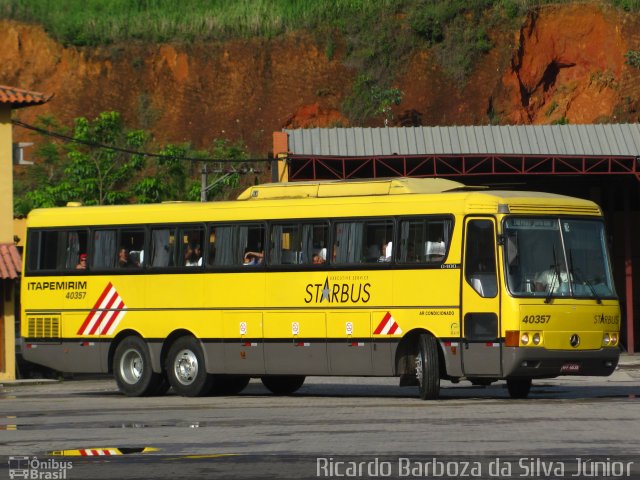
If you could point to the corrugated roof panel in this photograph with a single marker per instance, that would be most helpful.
(421, 146)
(624, 142)
(514, 140)
(571, 139)
(634, 134)
(481, 144)
(593, 140)
(585, 142)
(631, 137)
(455, 138)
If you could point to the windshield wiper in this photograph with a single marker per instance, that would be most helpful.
(556, 274)
(574, 274)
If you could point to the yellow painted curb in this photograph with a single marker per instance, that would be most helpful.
(101, 452)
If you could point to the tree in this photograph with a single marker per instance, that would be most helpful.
(40, 186)
(168, 179)
(89, 173)
(102, 176)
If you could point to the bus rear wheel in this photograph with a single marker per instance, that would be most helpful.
(519, 387)
(283, 384)
(132, 369)
(229, 384)
(186, 369)
(428, 368)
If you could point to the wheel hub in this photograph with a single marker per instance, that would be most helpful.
(186, 367)
(131, 366)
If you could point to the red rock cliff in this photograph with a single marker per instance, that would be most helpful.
(565, 63)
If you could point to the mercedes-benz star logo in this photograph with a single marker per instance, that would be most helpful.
(574, 340)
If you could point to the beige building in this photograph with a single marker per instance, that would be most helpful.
(10, 262)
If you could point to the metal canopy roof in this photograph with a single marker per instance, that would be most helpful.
(556, 140)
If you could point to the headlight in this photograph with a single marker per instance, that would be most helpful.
(536, 339)
(524, 338)
(614, 338)
(606, 340)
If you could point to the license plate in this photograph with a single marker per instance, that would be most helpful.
(570, 368)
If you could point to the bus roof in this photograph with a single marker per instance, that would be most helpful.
(350, 188)
(316, 199)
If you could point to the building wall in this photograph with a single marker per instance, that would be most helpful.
(7, 319)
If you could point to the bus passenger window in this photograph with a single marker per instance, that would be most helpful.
(298, 243)
(191, 246)
(286, 246)
(251, 239)
(424, 240)
(57, 250)
(363, 241)
(131, 249)
(162, 247)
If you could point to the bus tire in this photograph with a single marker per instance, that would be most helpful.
(229, 384)
(428, 368)
(283, 384)
(132, 368)
(186, 369)
(519, 387)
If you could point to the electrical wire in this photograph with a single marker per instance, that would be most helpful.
(67, 138)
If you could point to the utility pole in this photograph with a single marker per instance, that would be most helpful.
(203, 183)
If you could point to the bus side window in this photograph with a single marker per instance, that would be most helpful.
(192, 239)
(163, 242)
(363, 241)
(57, 249)
(285, 244)
(133, 241)
(222, 246)
(251, 239)
(104, 249)
(424, 240)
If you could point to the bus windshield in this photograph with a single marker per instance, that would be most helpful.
(553, 257)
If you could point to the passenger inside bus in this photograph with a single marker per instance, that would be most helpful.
(124, 260)
(253, 258)
(82, 264)
(193, 255)
(317, 259)
(386, 252)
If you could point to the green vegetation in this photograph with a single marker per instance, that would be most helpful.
(98, 22)
(87, 172)
(632, 58)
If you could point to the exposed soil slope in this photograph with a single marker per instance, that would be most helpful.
(566, 63)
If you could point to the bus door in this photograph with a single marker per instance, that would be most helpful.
(481, 348)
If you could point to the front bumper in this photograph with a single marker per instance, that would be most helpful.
(542, 363)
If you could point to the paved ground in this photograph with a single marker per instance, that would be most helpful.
(256, 434)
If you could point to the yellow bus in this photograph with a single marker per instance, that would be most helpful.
(422, 279)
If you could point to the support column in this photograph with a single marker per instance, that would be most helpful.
(280, 151)
(628, 272)
(7, 319)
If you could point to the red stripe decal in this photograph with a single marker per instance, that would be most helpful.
(104, 313)
(393, 328)
(95, 307)
(382, 324)
(119, 308)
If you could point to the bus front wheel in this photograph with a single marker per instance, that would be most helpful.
(428, 368)
(518, 387)
(186, 369)
(132, 369)
(283, 384)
